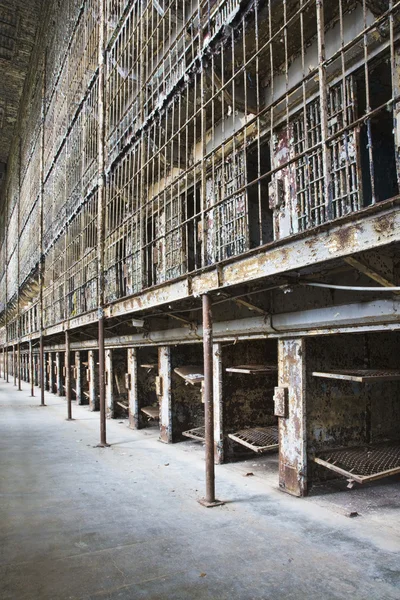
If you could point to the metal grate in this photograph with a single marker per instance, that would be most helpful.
(259, 439)
(196, 434)
(364, 463)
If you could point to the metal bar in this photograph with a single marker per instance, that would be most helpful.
(208, 398)
(68, 375)
(31, 370)
(42, 367)
(100, 223)
(14, 364)
(102, 386)
(19, 365)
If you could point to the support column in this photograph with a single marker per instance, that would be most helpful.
(43, 373)
(164, 393)
(36, 379)
(102, 386)
(109, 384)
(209, 500)
(58, 375)
(292, 426)
(19, 366)
(78, 378)
(14, 364)
(133, 395)
(51, 373)
(46, 370)
(219, 450)
(67, 367)
(93, 390)
(31, 370)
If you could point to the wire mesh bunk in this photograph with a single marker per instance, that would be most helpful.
(258, 439)
(363, 464)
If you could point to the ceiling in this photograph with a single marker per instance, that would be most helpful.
(18, 23)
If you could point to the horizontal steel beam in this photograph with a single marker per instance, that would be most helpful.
(369, 229)
(378, 315)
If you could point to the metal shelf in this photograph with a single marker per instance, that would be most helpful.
(253, 369)
(258, 439)
(153, 412)
(191, 374)
(361, 375)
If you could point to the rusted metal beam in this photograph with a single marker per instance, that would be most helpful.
(68, 376)
(368, 229)
(19, 366)
(31, 371)
(132, 383)
(59, 373)
(42, 371)
(100, 221)
(51, 372)
(14, 363)
(209, 500)
(93, 382)
(109, 371)
(102, 386)
(361, 266)
(250, 306)
(78, 378)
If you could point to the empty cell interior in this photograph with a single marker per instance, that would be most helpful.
(186, 397)
(117, 381)
(92, 374)
(83, 376)
(344, 414)
(147, 371)
(249, 423)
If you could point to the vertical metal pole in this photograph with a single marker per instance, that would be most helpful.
(42, 367)
(323, 90)
(18, 270)
(31, 370)
(208, 398)
(14, 363)
(100, 224)
(102, 366)
(68, 375)
(19, 365)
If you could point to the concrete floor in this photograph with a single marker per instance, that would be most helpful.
(79, 522)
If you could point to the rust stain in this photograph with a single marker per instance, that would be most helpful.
(385, 223)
